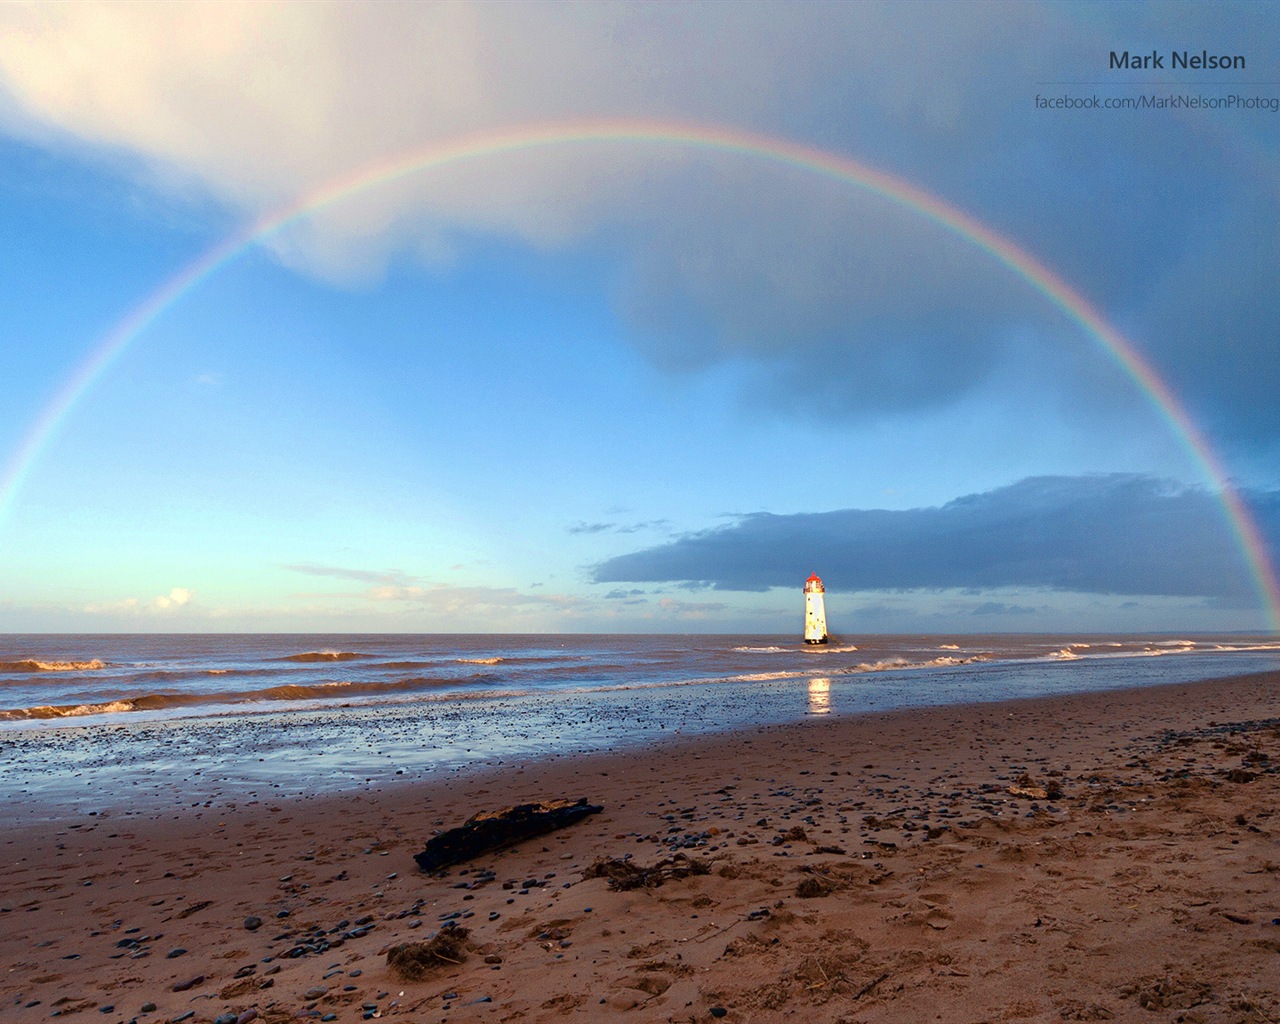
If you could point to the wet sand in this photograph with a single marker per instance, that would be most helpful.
(1087, 857)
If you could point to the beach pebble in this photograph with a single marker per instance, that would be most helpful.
(252, 923)
(719, 1011)
(148, 1008)
(314, 993)
(247, 1016)
(176, 952)
(190, 983)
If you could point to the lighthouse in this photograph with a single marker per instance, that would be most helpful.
(815, 612)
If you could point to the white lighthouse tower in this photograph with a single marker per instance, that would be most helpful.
(815, 612)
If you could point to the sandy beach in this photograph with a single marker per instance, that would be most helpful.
(1088, 857)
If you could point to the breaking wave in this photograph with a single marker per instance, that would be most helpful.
(285, 692)
(478, 661)
(31, 665)
(311, 656)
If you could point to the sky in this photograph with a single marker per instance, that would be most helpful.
(622, 317)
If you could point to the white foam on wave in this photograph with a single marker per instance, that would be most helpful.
(33, 665)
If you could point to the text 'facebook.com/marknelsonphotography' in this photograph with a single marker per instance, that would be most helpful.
(1159, 101)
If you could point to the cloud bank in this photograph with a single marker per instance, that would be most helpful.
(725, 260)
(1115, 534)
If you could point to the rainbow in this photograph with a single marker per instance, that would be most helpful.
(711, 138)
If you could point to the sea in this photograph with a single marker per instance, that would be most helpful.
(122, 723)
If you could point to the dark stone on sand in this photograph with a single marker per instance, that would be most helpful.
(494, 830)
(314, 993)
(252, 923)
(148, 1008)
(190, 983)
(719, 1011)
(225, 1018)
(176, 952)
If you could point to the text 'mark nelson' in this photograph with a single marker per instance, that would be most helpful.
(1178, 59)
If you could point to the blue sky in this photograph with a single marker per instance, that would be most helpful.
(631, 387)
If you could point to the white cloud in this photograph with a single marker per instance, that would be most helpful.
(178, 597)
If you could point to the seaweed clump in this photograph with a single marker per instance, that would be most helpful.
(413, 961)
(624, 875)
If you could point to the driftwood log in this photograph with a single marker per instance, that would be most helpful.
(492, 830)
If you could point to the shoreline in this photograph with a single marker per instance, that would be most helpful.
(56, 770)
(1151, 854)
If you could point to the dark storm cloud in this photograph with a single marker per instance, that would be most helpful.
(1164, 219)
(840, 305)
(1123, 534)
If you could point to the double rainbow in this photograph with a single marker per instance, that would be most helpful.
(703, 137)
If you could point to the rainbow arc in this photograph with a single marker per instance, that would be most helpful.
(495, 143)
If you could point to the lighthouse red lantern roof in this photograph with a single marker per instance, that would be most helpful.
(813, 577)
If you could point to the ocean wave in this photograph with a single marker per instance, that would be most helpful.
(761, 650)
(172, 674)
(478, 661)
(284, 692)
(1065, 653)
(893, 664)
(311, 656)
(828, 648)
(883, 665)
(32, 665)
